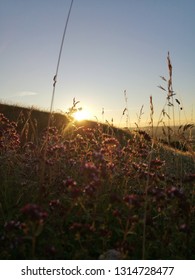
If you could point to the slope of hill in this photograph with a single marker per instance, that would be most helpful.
(21, 115)
(78, 190)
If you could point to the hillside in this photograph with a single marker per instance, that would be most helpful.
(79, 189)
(36, 117)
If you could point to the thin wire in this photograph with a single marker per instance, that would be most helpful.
(59, 57)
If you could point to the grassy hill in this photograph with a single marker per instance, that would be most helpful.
(78, 189)
(36, 119)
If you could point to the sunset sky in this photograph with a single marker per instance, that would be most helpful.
(110, 46)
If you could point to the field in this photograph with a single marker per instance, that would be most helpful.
(75, 190)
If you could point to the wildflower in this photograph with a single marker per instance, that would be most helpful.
(183, 228)
(89, 189)
(145, 135)
(132, 199)
(54, 204)
(11, 225)
(113, 142)
(69, 183)
(175, 192)
(90, 170)
(72, 188)
(116, 213)
(34, 212)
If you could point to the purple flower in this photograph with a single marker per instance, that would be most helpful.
(34, 212)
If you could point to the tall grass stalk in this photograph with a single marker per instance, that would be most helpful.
(59, 59)
(146, 203)
(125, 113)
(53, 91)
(170, 103)
(148, 180)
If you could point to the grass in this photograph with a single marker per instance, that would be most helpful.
(93, 195)
(75, 190)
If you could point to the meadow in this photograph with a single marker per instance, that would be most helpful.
(91, 188)
(74, 190)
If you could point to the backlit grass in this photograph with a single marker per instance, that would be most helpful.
(74, 190)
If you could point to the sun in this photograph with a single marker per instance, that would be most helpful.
(82, 115)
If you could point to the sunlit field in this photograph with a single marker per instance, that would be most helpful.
(77, 189)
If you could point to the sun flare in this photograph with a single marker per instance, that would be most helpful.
(81, 115)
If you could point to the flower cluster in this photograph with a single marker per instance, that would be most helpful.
(9, 138)
(78, 192)
(34, 212)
